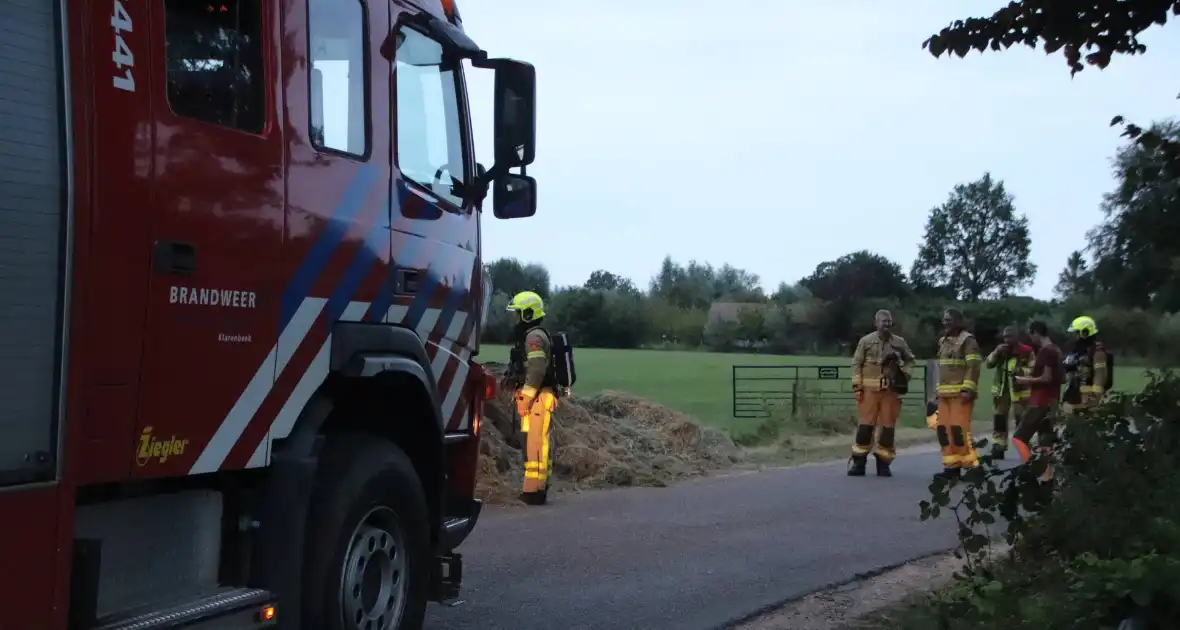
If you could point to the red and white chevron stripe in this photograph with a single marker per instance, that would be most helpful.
(448, 351)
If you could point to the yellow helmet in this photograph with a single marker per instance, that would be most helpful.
(529, 305)
(1084, 326)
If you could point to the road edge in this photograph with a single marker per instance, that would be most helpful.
(863, 575)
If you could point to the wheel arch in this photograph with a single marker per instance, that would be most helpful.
(380, 382)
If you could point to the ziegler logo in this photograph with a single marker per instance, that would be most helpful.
(160, 450)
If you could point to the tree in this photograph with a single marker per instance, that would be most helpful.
(790, 293)
(1136, 248)
(510, 276)
(737, 285)
(857, 276)
(600, 319)
(975, 243)
(1075, 279)
(603, 280)
(1101, 28)
(698, 285)
(676, 286)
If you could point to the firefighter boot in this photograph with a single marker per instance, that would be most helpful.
(950, 474)
(856, 465)
(999, 436)
(535, 498)
(882, 467)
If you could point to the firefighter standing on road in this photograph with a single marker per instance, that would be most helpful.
(1010, 359)
(958, 385)
(1045, 386)
(531, 374)
(881, 366)
(1088, 367)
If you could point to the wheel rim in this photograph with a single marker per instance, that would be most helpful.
(373, 581)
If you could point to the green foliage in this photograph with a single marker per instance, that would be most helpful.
(510, 276)
(1135, 252)
(799, 323)
(1096, 544)
(698, 285)
(1076, 279)
(976, 245)
(603, 280)
(1093, 30)
(857, 276)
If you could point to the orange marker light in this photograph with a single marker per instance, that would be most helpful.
(267, 613)
(448, 7)
(489, 387)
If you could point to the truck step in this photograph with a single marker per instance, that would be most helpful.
(225, 609)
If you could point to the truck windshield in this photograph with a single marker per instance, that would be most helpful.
(430, 146)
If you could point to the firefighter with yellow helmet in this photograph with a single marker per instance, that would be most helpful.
(531, 374)
(1089, 367)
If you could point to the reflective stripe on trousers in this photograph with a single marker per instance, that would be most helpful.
(536, 427)
(954, 432)
(878, 408)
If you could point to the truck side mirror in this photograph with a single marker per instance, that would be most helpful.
(514, 196)
(515, 114)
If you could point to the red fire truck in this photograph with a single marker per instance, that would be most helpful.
(241, 288)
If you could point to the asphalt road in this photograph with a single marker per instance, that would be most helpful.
(698, 555)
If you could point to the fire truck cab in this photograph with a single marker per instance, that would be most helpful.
(241, 291)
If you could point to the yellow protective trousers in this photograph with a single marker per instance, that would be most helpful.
(536, 425)
(877, 409)
(954, 432)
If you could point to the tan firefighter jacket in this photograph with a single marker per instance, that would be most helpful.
(868, 362)
(958, 364)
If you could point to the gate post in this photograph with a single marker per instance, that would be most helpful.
(795, 394)
(931, 378)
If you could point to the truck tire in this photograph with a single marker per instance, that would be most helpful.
(368, 549)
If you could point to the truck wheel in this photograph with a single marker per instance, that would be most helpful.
(368, 539)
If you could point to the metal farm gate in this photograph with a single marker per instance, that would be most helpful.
(760, 391)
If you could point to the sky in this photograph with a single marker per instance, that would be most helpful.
(780, 136)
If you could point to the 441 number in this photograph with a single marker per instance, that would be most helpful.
(121, 55)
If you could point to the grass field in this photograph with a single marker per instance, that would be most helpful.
(701, 383)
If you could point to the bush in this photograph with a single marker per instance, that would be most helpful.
(1098, 543)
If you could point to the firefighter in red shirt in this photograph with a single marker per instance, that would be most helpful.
(1045, 389)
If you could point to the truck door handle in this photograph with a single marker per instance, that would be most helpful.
(174, 258)
(406, 281)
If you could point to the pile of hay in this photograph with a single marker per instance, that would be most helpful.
(607, 440)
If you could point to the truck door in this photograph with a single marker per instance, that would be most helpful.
(434, 228)
(217, 221)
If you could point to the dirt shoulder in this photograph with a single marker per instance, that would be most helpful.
(887, 599)
(801, 449)
(846, 606)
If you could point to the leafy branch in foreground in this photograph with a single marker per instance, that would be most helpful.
(1097, 544)
(1093, 31)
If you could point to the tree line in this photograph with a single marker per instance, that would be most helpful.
(974, 254)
